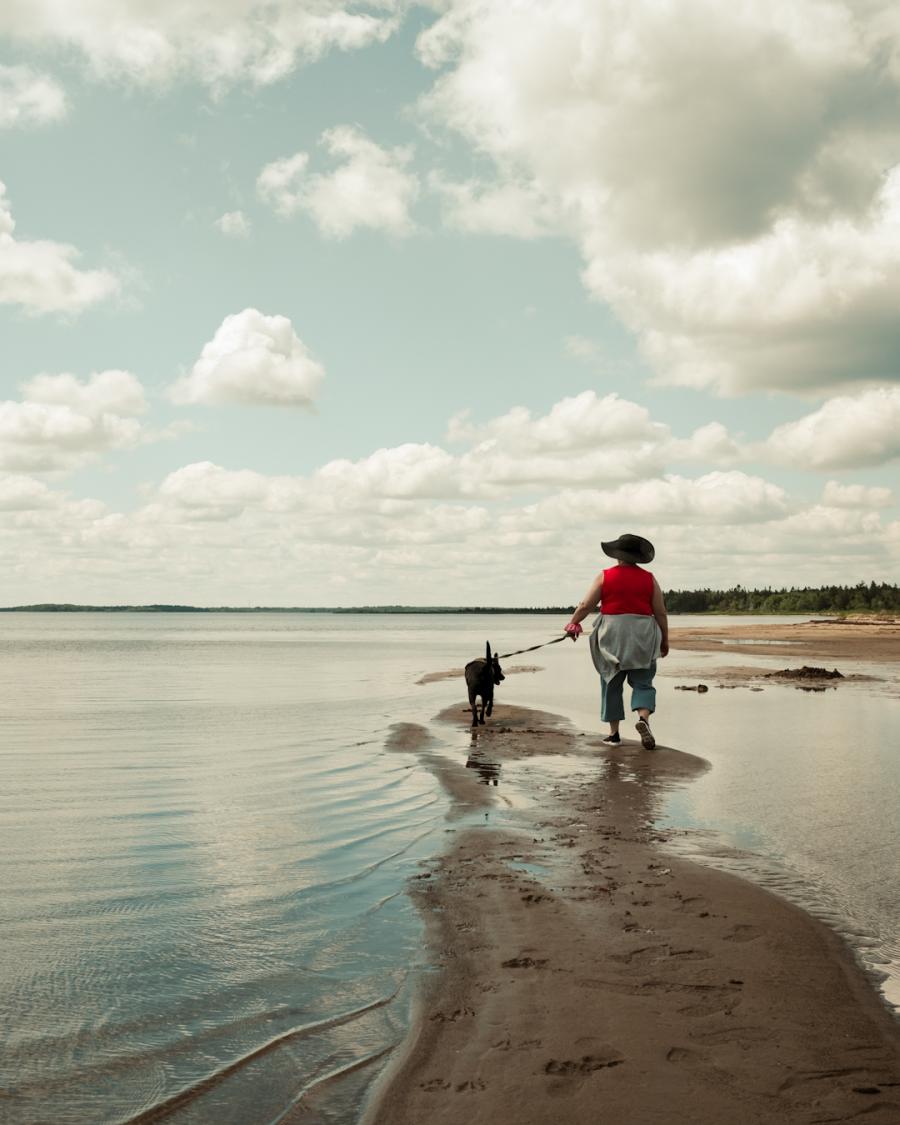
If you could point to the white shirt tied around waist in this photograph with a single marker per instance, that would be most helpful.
(623, 641)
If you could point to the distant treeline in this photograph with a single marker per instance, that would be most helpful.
(876, 597)
(68, 607)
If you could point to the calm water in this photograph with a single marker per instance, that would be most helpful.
(205, 842)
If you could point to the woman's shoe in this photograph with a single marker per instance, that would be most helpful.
(647, 740)
(612, 740)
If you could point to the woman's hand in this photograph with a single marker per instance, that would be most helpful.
(573, 630)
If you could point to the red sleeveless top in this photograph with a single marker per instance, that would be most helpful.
(627, 589)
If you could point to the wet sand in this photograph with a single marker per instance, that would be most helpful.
(459, 673)
(814, 641)
(585, 975)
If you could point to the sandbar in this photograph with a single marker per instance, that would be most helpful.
(584, 974)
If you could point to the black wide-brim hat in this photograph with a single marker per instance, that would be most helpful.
(629, 548)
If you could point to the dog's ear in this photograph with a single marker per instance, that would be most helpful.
(487, 651)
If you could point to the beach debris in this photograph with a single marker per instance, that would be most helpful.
(805, 673)
(889, 619)
(692, 687)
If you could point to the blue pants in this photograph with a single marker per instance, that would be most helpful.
(643, 693)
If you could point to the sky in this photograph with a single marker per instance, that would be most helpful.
(331, 303)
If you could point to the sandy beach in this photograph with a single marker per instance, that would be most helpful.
(850, 638)
(586, 974)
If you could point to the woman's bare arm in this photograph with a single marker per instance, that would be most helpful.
(658, 604)
(589, 602)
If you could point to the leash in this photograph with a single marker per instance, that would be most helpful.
(519, 651)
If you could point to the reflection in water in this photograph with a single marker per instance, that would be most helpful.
(488, 771)
(202, 914)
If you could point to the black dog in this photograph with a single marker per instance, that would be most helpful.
(481, 678)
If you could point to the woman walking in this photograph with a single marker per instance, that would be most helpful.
(631, 633)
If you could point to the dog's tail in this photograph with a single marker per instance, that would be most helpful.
(487, 652)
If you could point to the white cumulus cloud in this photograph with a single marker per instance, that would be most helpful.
(29, 98)
(253, 359)
(517, 209)
(730, 177)
(217, 43)
(837, 495)
(711, 443)
(727, 498)
(63, 422)
(371, 187)
(578, 422)
(281, 183)
(40, 275)
(846, 432)
(409, 524)
(404, 471)
(808, 304)
(104, 392)
(24, 494)
(582, 441)
(211, 492)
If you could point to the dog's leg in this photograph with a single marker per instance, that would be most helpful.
(481, 720)
(474, 705)
(490, 705)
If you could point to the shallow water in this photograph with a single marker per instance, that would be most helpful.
(806, 787)
(804, 790)
(205, 840)
(203, 849)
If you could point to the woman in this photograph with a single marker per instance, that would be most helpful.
(631, 632)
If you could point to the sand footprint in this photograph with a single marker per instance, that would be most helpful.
(459, 1014)
(710, 999)
(743, 933)
(741, 1036)
(683, 1055)
(690, 954)
(643, 956)
(434, 1085)
(587, 1064)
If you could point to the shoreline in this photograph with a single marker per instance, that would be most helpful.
(818, 640)
(585, 971)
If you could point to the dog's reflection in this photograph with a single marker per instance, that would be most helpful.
(488, 772)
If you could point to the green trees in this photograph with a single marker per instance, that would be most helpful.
(874, 597)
